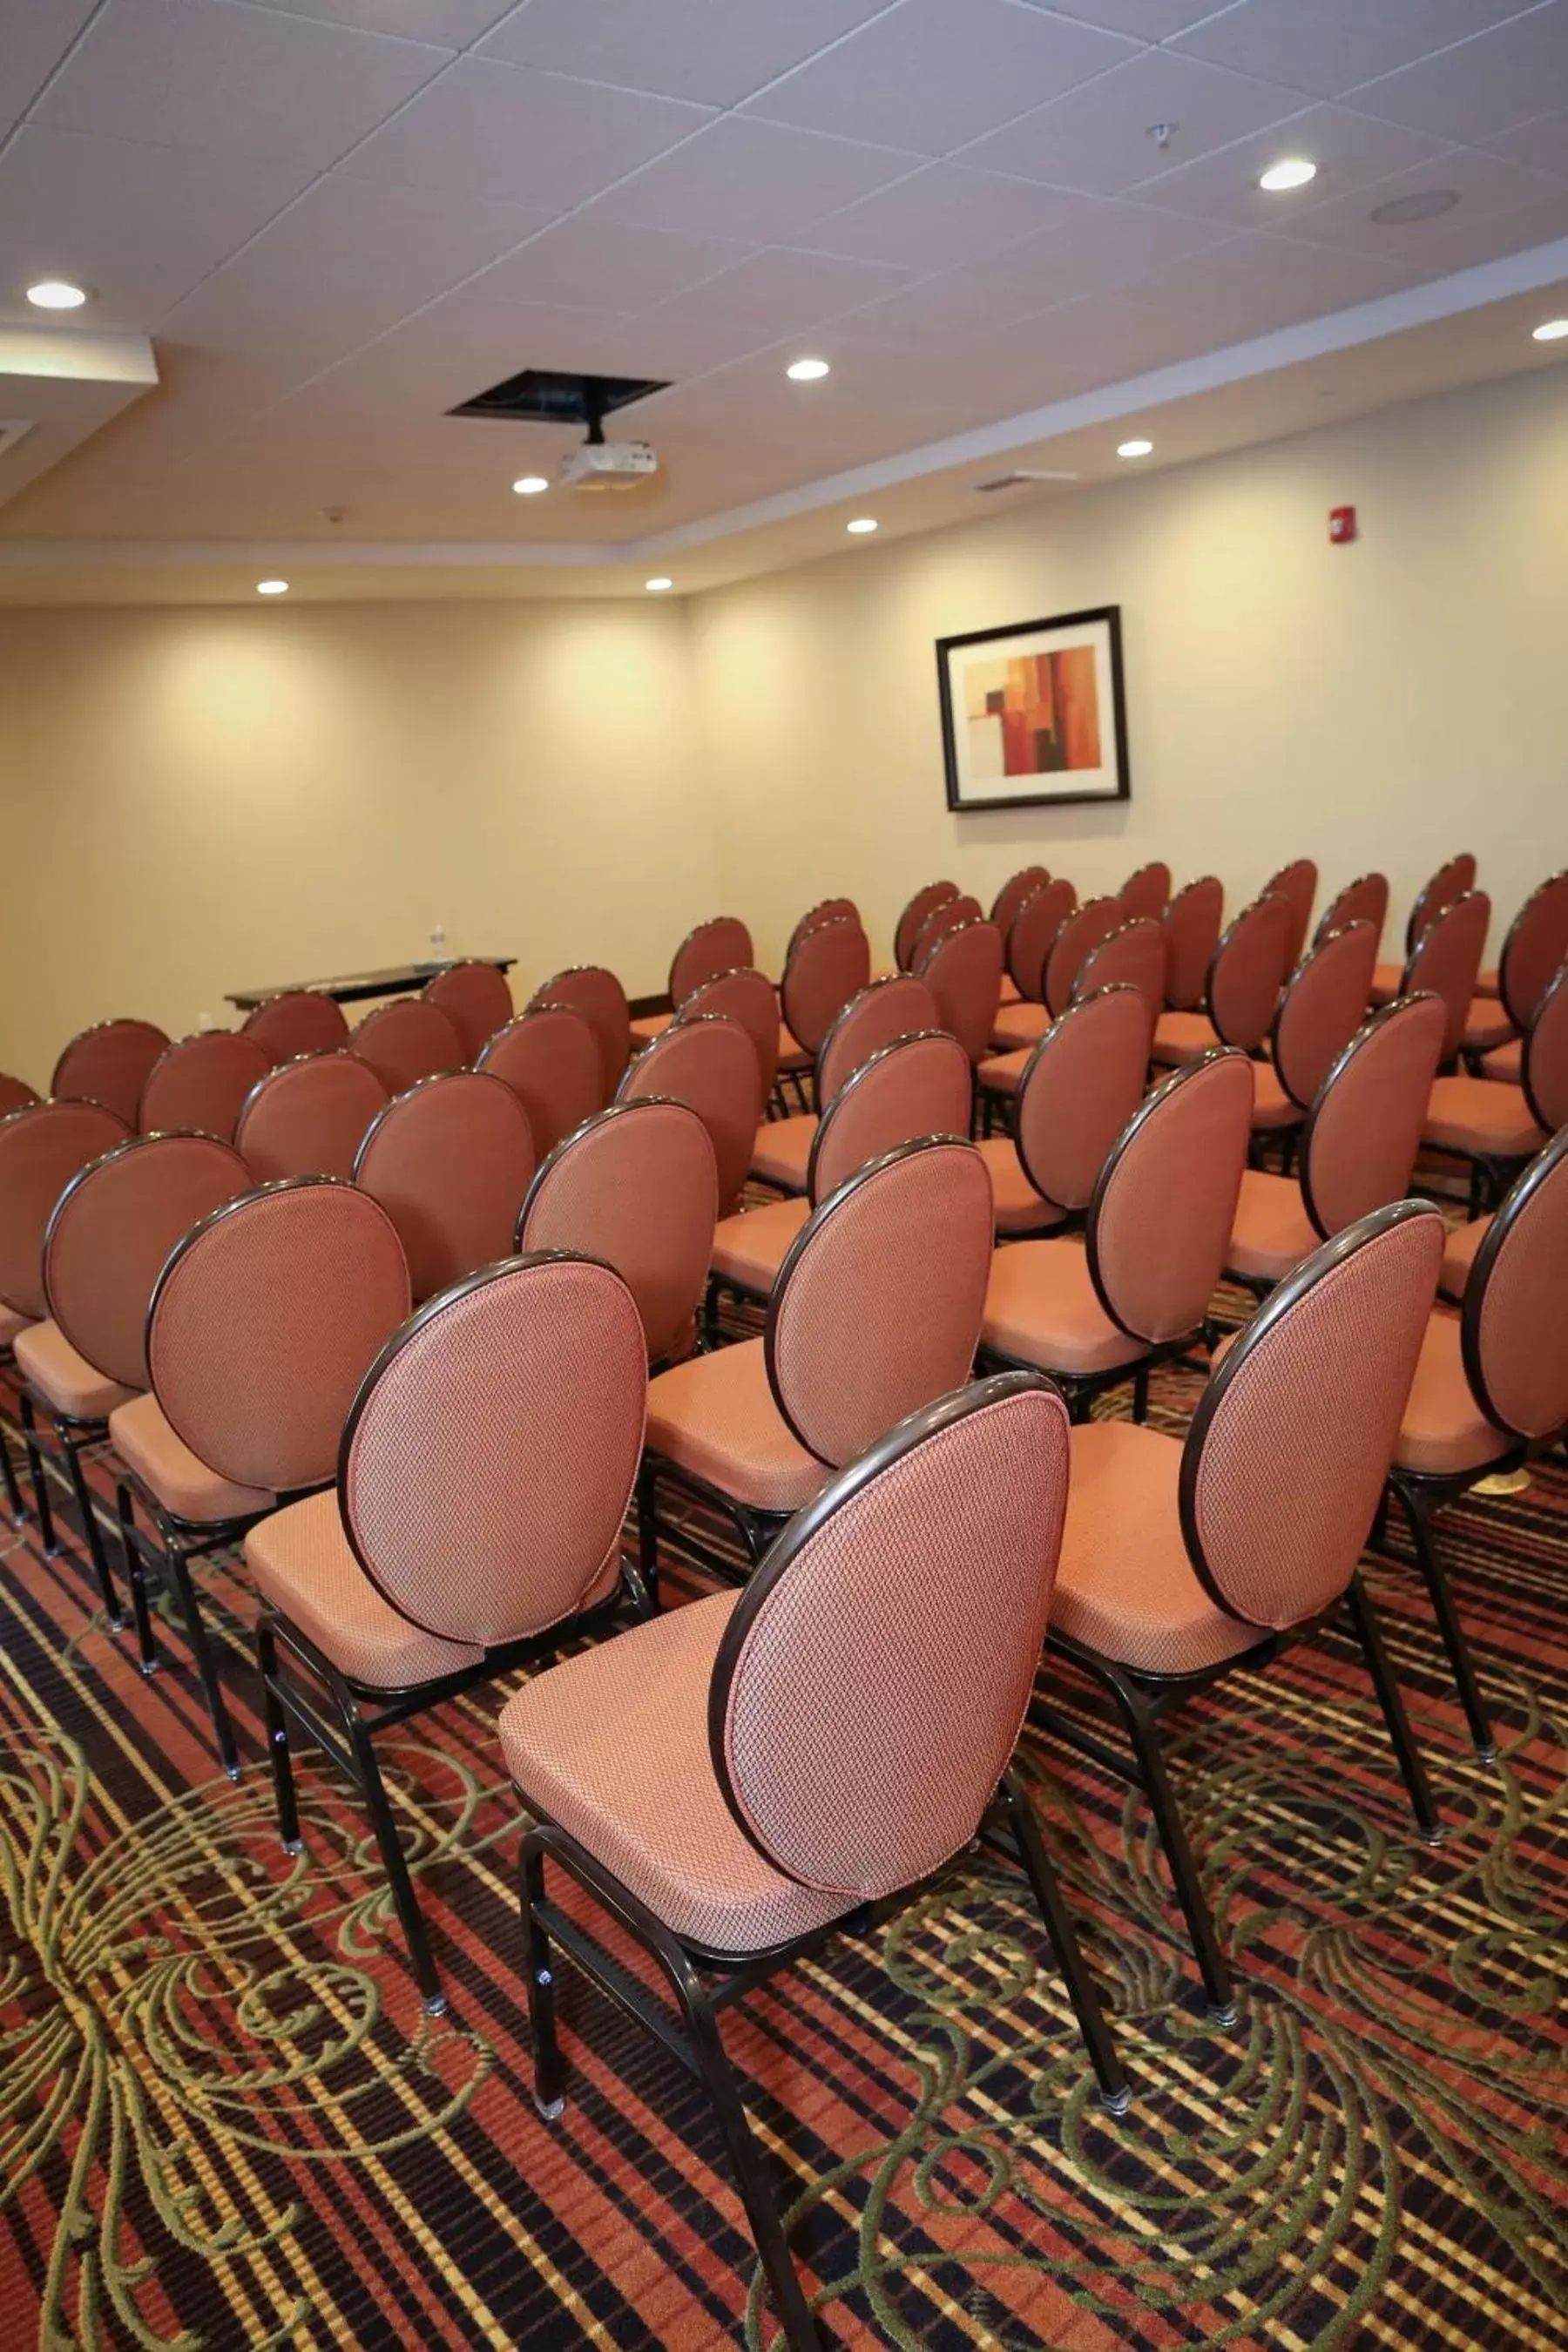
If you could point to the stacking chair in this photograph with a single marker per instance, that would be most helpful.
(299, 1021)
(308, 1117)
(1147, 891)
(826, 911)
(1242, 990)
(951, 916)
(1358, 1146)
(710, 1064)
(109, 1064)
(919, 1085)
(907, 930)
(1446, 959)
(199, 1085)
(407, 1040)
(1297, 883)
(827, 965)
(1131, 955)
(1533, 953)
(1078, 1089)
(895, 1006)
(1322, 1007)
(1182, 1562)
(1026, 945)
(729, 1782)
(15, 1094)
(721, 944)
(1013, 893)
(483, 1475)
(598, 996)
(1451, 882)
(747, 997)
(476, 1000)
(1135, 1289)
(109, 1235)
(1192, 923)
(1491, 1387)
(449, 1161)
(263, 1322)
(962, 970)
(1364, 901)
(552, 1062)
(1495, 1128)
(636, 1187)
(875, 1312)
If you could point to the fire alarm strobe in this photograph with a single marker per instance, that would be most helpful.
(1341, 525)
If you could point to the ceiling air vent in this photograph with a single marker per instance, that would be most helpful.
(1021, 479)
(12, 430)
(558, 399)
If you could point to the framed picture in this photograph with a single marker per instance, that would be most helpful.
(1035, 716)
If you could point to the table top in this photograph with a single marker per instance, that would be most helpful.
(349, 987)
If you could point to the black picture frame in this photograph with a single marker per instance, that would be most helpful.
(961, 801)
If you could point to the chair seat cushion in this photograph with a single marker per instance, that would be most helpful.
(1505, 1064)
(1019, 1025)
(68, 1382)
(716, 1417)
(1272, 1107)
(781, 1153)
(1181, 1036)
(1444, 1428)
(1124, 1585)
(11, 1322)
(1272, 1232)
(792, 1054)
(299, 1559)
(1485, 1026)
(649, 1026)
(1488, 983)
(1002, 1074)
(748, 1250)
(612, 1745)
(1041, 1308)
(1387, 978)
(1460, 1255)
(1478, 1116)
(1019, 1208)
(1011, 992)
(175, 1476)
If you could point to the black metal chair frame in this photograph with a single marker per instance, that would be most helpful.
(72, 1437)
(1492, 1172)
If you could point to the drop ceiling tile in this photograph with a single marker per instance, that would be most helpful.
(1453, 243)
(787, 289)
(34, 37)
(489, 130)
(941, 214)
(239, 80)
(664, 344)
(1483, 87)
(1486, 185)
(584, 262)
(932, 73)
(1109, 338)
(141, 226)
(450, 351)
(1098, 139)
(1330, 45)
(1351, 152)
(449, 24)
(1252, 285)
(1147, 20)
(718, 51)
(1543, 144)
(758, 182)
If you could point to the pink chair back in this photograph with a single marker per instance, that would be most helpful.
(907, 930)
(299, 1021)
(1451, 881)
(1192, 923)
(1033, 934)
(407, 1040)
(1285, 1459)
(722, 944)
(951, 916)
(852, 1342)
(1544, 1063)
(1013, 893)
(1077, 940)
(1514, 1334)
(1131, 955)
(264, 1322)
(552, 1062)
(449, 1161)
(200, 1084)
(1297, 883)
(1446, 959)
(710, 1064)
(1535, 950)
(1362, 901)
(308, 1117)
(826, 911)
(109, 1064)
(1080, 1086)
(856, 1741)
(920, 1084)
(111, 1235)
(1324, 1006)
(1248, 973)
(1164, 1209)
(15, 1094)
(747, 997)
(1148, 891)
(42, 1147)
(476, 1000)
(962, 971)
(897, 1005)
(1363, 1130)
(601, 1000)
(826, 967)
(490, 1454)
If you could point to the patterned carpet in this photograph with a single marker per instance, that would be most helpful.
(223, 2121)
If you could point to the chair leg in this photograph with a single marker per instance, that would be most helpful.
(410, 1917)
(93, 1534)
(1408, 1756)
(277, 1723)
(1448, 1626)
(548, 2066)
(1014, 1800)
(40, 1485)
(1140, 1393)
(179, 1573)
(710, 1319)
(1155, 1782)
(13, 1504)
(647, 1531)
(136, 1580)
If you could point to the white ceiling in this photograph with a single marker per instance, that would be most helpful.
(336, 218)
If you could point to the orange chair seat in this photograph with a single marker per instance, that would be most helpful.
(72, 1385)
(716, 1417)
(1272, 1232)
(1444, 1428)
(612, 1745)
(300, 1560)
(1019, 1208)
(1041, 1308)
(1487, 1026)
(1478, 1116)
(1460, 1255)
(1002, 1074)
(1488, 983)
(1011, 992)
(10, 1324)
(750, 1249)
(792, 1054)
(1181, 1036)
(1387, 978)
(1124, 1585)
(649, 1026)
(175, 1476)
(1505, 1063)
(1272, 1107)
(781, 1153)
(1019, 1025)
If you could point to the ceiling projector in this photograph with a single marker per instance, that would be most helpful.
(609, 465)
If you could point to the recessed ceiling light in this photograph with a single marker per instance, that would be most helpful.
(807, 371)
(1294, 172)
(272, 587)
(56, 294)
(1551, 330)
(1133, 448)
(1401, 212)
(861, 524)
(530, 486)
(657, 587)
